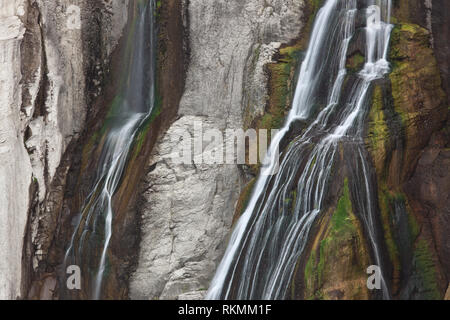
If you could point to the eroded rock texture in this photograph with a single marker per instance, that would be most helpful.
(16, 170)
(407, 137)
(50, 70)
(241, 58)
(187, 209)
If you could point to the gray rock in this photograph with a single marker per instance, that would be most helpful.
(15, 168)
(187, 210)
(43, 105)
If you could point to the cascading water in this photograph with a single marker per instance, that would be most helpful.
(92, 235)
(272, 233)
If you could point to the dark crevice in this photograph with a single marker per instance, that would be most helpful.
(44, 85)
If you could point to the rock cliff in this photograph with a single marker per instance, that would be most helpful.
(407, 137)
(52, 68)
(227, 65)
(187, 210)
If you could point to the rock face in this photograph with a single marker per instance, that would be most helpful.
(335, 269)
(122, 253)
(239, 58)
(46, 56)
(415, 212)
(408, 140)
(16, 170)
(425, 115)
(187, 209)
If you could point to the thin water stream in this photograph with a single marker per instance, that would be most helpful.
(92, 235)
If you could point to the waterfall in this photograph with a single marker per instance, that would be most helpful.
(136, 101)
(271, 236)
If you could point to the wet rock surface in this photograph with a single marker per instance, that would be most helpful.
(231, 64)
(54, 69)
(188, 209)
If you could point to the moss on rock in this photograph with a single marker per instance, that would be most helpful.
(416, 89)
(281, 87)
(355, 62)
(415, 272)
(378, 133)
(397, 132)
(244, 198)
(339, 257)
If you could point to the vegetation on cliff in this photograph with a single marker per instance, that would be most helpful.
(339, 257)
(405, 112)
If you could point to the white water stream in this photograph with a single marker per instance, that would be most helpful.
(268, 239)
(96, 217)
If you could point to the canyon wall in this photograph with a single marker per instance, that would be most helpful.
(187, 209)
(54, 55)
(226, 65)
(408, 139)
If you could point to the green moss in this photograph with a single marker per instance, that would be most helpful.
(415, 88)
(378, 131)
(418, 99)
(341, 231)
(244, 199)
(290, 202)
(423, 259)
(386, 201)
(145, 128)
(158, 9)
(426, 268)
(282, 76)
(423, 266)
(281, 87)
(413, 227)
(355, 62)
(140, 138)
(341, 221)
(117, 102)
(311, 274)
(324, 245)
(412, 60)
